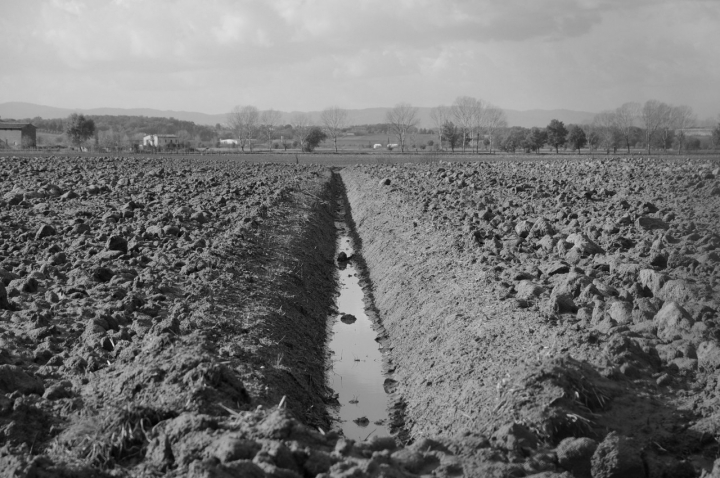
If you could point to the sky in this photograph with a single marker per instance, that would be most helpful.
(305, 55)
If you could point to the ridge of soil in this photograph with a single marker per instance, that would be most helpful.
(166, 317)
(529, 303)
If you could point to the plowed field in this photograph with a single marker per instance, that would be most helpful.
(169, 316)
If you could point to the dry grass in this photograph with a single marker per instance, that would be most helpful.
(113, 439)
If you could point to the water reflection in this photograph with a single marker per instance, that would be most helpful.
(356, 374)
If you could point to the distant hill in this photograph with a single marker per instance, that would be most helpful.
(18, 110)
(527, 119)
(530, 118)
(542, 118)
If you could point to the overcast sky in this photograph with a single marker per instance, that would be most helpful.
(211, 55)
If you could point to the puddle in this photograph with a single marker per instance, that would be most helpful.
(357, 366)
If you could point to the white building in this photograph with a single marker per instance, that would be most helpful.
(160, 140)
(229, 142)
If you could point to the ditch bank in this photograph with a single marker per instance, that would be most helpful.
(509, 348)
(172, 321)
(158, 316)
(360, 369)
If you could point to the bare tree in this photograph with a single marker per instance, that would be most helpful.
(592, 136)
(112, 139)
(653, 115)
(243, 122)
(184, 138)
(494, 118)
(606, 128)
(625, 118)
(234, 122)
(439, 116)
(463, 110)
(301, 128)
(252, 117)
(402, 118)
(269, 120)
(334, 120)
(478, 122)
(669, 123)
(682, 117)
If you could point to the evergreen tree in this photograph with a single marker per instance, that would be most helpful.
(556, 134)
(314, 138)
(79, 129)
(577, 138)
(451, 135)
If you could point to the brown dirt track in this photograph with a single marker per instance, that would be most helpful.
(543, 317)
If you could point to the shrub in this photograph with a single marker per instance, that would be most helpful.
(313, 139)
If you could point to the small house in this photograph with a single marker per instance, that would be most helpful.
(160, 140)
(18, 135)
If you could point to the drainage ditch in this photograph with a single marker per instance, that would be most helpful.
(359, 366)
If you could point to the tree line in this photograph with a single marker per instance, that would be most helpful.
(659, 122)
(128, 128)
(469, 123)
(247, 124)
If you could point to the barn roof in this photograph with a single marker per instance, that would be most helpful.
(14, 125)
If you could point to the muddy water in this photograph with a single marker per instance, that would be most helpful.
(357, 373)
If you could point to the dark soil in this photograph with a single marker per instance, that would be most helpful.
(545, 315)
(168, 317)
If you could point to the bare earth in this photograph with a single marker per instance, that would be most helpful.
(168, 316)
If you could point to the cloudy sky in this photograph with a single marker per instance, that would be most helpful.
(210, 55)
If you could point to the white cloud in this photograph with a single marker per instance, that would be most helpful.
(290, 54)
(74, 7)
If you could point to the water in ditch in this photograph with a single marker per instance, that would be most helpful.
(357, 374)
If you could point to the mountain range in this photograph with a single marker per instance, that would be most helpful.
(527, 119)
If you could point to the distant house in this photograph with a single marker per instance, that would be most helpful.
(377, 146)
(160, 140)
(18, 134)
(229, 142)
(696, 131)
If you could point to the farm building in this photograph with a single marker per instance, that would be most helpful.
(696, 131)
(229, 142)
(17, 134)
(160, 140)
